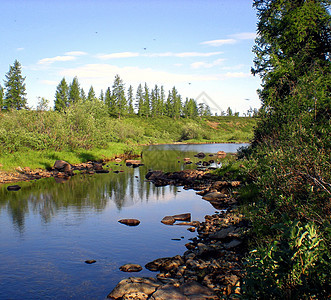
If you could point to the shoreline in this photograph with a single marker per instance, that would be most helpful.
(211, 268)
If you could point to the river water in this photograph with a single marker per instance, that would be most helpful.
(49, 229)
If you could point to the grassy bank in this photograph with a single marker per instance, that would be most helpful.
(86, 132)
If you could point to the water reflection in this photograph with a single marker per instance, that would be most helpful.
(85, 192)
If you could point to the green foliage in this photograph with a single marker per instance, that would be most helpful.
(15, 95)
(294, 266)
(1, 97)
(290, 155)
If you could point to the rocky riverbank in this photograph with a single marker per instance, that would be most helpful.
(61, 170)
(211, 268)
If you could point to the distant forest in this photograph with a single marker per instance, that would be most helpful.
(119, 101)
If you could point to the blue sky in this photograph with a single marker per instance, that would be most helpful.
(197, 46)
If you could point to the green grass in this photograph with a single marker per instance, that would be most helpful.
(45, 159)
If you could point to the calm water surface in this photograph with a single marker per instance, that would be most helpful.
(49, 229)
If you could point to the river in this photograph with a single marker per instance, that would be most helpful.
(49, 229)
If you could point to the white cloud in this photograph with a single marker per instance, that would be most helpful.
(76, 53)
(118, 55)
(217, 43)
(244, 36)
(201, 64)
(102, 75)
(50, 60)
(20, 49)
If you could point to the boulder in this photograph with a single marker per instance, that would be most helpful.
(168, 220)
(167, 292)
(223, 233)
(200, 155)
(133, 285)
(62, 166)
(129, 222)
(182, 217)
(131, 268)
(214, 196)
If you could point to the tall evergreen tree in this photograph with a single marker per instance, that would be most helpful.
(15, 96)
(292, 51)
(82, 95)
(108, 100)
(147, 106)
(176, 103)
(130, 100)
(91, 95)
(74, 92)
(61, 96)
(120, 107)
(140, 100)
(102, 96)
(162, 101)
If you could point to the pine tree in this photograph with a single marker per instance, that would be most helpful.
(176, 103)
(15, 96)
(130, 100)
(91, 95)
(108, 100)
(1, 97)
(61, 96)
(75, 92)
(102, 96)
(147, 106)
(292, 51)
(83, 97)
(140, 100)
(162, 101)
(119, 101)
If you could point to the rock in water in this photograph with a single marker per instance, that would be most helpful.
(129, 222)
(13, 187)
(131, 268)
(62, 166)
(182, 217)
(168, 220)
(90, 261)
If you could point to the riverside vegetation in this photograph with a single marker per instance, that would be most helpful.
(85, 131)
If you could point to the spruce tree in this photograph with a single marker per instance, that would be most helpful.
(292, 57)
(140, 100)
(91, 95)
(15, 96)
(108, 99)
(102, 96)
(147, 106)
(61, 96)
(74, 92)
(82, 95)
(119, 101)
(130, 100)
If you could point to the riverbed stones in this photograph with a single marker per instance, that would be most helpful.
(131, 268)
(129, 222)
(182, 217)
